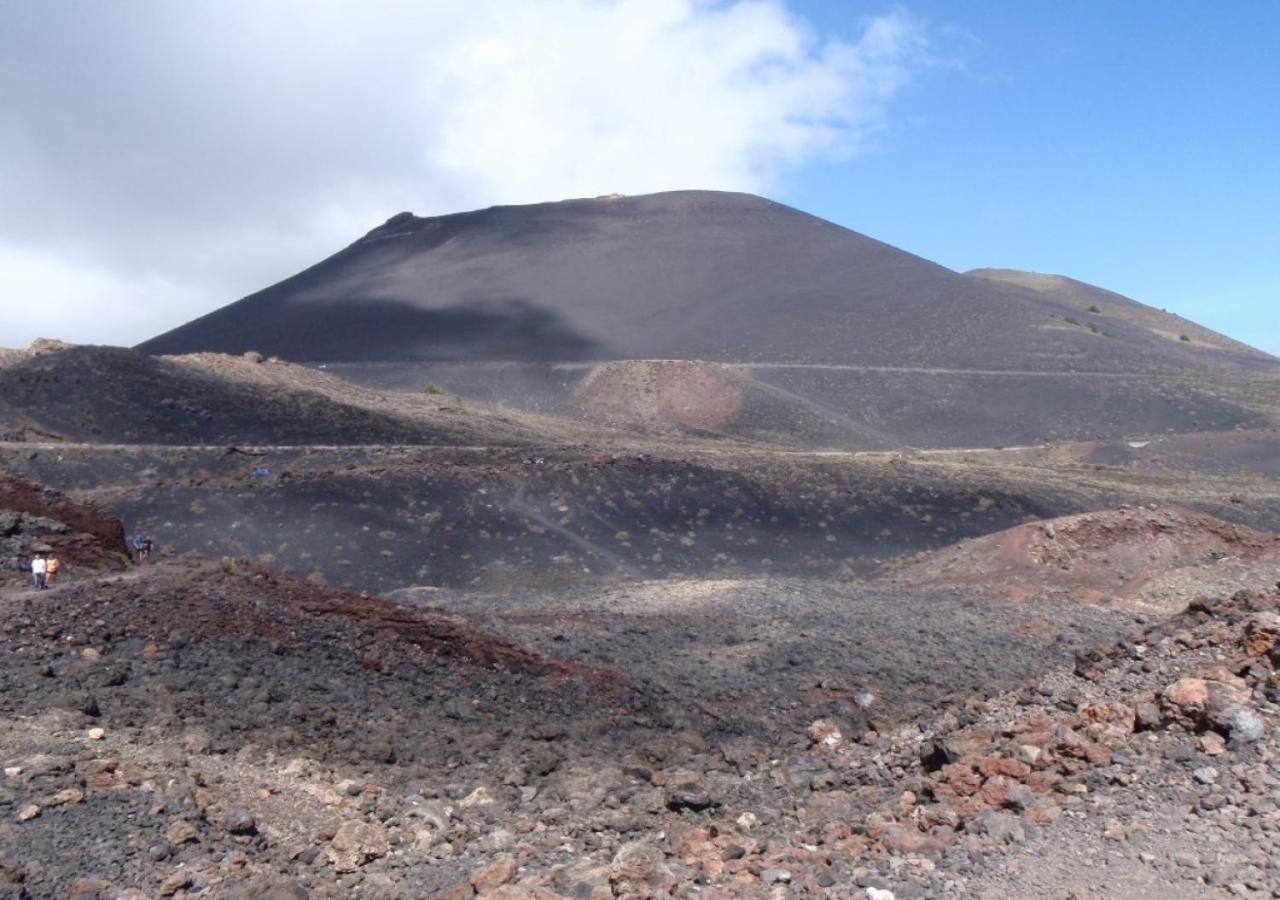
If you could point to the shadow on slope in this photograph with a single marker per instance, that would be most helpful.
(365, 329)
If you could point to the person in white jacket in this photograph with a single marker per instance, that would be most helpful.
(39, 566)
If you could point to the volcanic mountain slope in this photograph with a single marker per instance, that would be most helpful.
(1102, 309)
(685, 275)
(715, 313)
(113, 395)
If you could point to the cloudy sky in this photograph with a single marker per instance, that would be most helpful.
(160, 159)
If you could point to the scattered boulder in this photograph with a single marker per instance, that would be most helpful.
(1261, 633)
(497, 873)
(239, 821)
(357, 843)
(999, 827)
(687, 791)
(1187, 701)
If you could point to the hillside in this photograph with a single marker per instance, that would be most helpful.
(57, 392)
(1105, 309)
(683, 275)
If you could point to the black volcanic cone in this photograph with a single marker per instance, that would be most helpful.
(683, 275)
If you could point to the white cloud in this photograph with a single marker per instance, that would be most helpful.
(44, 296)
(158, 159)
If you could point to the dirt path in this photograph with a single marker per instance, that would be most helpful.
(916, 370)
(10, 593)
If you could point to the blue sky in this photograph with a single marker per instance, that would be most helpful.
(159, 160)
(1132, 145)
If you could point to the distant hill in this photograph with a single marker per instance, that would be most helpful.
(119, 396)
(699, 275)
(1106, 309)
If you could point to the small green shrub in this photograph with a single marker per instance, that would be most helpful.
(432, 390)
(1094, 309)
(1071, 320)
(1183, 337)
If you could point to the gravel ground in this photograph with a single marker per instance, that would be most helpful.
(219, 731)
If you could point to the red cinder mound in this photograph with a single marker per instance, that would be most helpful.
(1113, 552)
(94, 540)
(662, 393)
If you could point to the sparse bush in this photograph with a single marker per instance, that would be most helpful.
(1094, 309)
(1107, 334)
(1183, 337)
(432, 390)
(1071, 320)
(1093, 327)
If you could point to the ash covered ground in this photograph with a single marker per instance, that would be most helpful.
(577, 663)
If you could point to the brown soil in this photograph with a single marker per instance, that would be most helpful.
(661, 393)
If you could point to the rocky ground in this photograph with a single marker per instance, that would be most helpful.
(623, 667)
(201, 729)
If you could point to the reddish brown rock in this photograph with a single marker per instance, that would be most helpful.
(1039, 738)
(1043, 782)
(940, 815)
(961, 778)
(907, 842)
(1186, 700)
(825, 734)
(357, 843)
(1098, 754)
(1040, 722)
(1109, 721)
(1000, 765)
(175, 882)
(1043, 812)
(1212, 744)
(996, 790)
(181, 833)
(457, 892)
(90, 889)
(69, 797)
(497, 873)
(1069, 743)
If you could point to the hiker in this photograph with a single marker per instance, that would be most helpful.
(141, 547)
(51, 566)
(38, 569)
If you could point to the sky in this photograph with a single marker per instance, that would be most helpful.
(158, 159)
